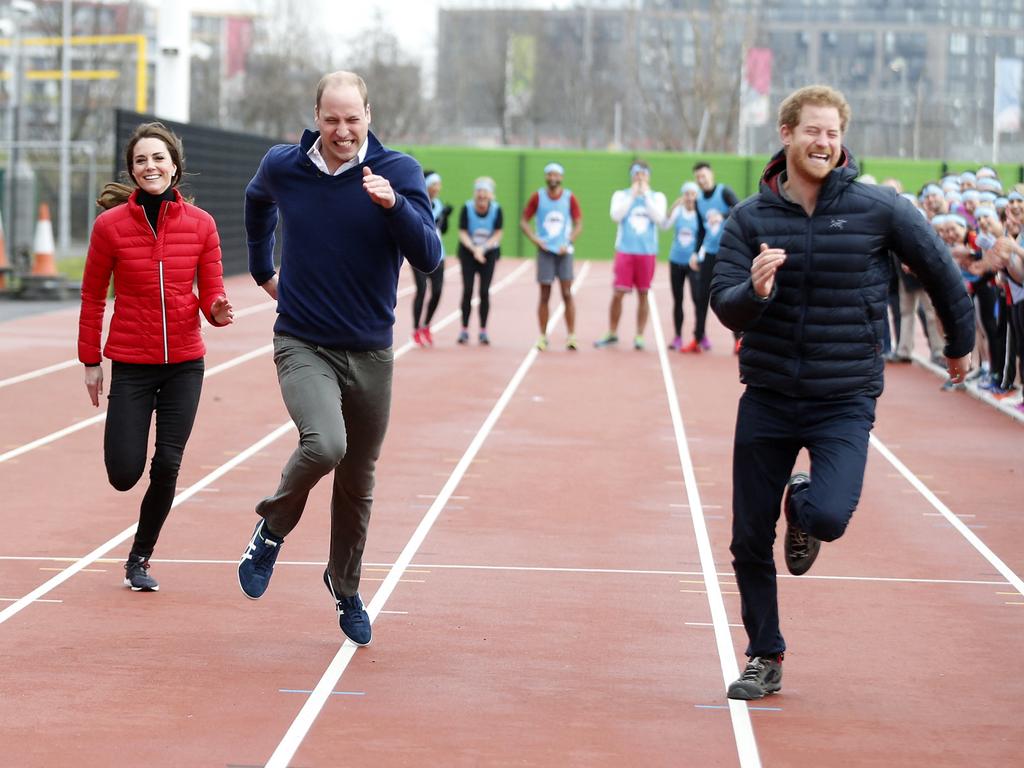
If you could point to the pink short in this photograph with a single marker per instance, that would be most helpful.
(634, 270)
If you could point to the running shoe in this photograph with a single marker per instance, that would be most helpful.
(739, 344)
(484, 338)
(705, 343)
(425, 334)
(571, 344)
(801, 549)
(257, 563)
(417, 337)
(352, 616)
(638, 343)
(463, 337)
(677, 344)
(542, 343)
(136, 575)
(762, 676)
(694, 347)
(608, 340)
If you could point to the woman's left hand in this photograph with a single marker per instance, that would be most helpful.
(222, 311)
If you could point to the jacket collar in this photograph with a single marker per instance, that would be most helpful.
(844, 173)
(373, 145)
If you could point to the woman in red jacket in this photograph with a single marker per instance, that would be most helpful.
(156, 245)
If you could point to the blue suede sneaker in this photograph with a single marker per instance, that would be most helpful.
(257, 563)
(352, 617)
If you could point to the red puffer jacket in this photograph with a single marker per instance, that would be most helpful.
(156, 313)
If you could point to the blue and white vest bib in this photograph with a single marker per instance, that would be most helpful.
(712, 233)
(637, 233)
(554, 220)
(685, 241)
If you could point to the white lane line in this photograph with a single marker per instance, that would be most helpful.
(300, 726)
(39, 372)
(188, 493)
(951, 518)
(426, 567)
(743, 730)
(104, 548)
(266, 348)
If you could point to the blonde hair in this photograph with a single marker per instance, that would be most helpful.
(341, 77)
(815, 95)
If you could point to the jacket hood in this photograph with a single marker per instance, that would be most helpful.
(844, 172)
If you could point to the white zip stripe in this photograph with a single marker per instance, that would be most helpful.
(163, 310)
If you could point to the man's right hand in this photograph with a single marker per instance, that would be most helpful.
(763, 269)
(271, 287)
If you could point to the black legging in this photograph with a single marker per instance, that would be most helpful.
(986, 295)
(470, 268)
(436, 280)
(135, 392)
(678, 273)
(1015, 346)
(707, 267)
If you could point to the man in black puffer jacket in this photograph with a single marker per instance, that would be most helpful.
(803, 271)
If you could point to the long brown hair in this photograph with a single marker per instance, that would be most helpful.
(116, 193)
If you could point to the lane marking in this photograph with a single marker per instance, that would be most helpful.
(743, 730)
(723, 706)
(39, 372)
(16, 599)
(233, 362)
(300, 726)
(333, 693)
(188, 493)
(1004, 570)
(425, 568)
(706, 624)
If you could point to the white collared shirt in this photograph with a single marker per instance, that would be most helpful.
(318, 159)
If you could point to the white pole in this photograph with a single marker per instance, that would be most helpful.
(995, 102)
(64, 222)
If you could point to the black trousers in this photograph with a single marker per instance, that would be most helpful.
(771, 429)
(436, 280)
(678, 274)
(136, 391)
(470, 269)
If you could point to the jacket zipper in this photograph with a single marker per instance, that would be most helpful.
(163, 298)
(803, 297)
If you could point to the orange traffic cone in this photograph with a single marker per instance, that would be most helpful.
(5, 266)
(45, 263)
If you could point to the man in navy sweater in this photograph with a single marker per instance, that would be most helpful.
(352, 210)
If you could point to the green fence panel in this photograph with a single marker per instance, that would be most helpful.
(594, 175)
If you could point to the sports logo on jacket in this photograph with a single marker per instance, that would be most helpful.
(837, 223)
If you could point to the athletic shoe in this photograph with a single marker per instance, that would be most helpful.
(417, 337)
(1002, 394)
(705, 344)
(739, 343)
(257, 563)
(607, 340)
(801, 548)
(136, 576)
(425, 334)
(352, 617)
(484, 338)
(638, 343)
(693, 346)
(762, 676)
(677, 344)
(571, 344)
(463, 337)
(949, 386)
(542, 343)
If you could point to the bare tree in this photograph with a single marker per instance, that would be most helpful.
(394, 80)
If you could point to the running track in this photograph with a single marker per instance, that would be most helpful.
(547, 569)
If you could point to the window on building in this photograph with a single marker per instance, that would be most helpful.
(958, 44)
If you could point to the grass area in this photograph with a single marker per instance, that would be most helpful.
(72, 267)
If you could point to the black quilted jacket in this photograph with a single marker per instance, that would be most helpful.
(819, 335)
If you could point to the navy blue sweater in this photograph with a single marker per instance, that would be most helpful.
(341, 252)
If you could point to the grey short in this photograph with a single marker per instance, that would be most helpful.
(551, 265)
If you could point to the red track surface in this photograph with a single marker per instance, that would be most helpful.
(555, 613)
